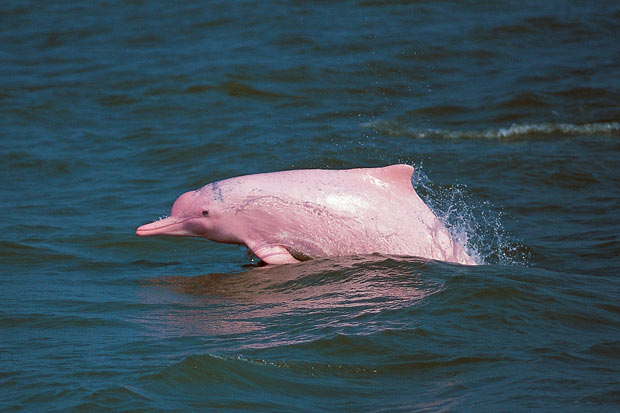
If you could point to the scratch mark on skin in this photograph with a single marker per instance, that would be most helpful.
(217, 192)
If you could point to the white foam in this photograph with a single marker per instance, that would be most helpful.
(515, 131)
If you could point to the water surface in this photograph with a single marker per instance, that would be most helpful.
(507, 110)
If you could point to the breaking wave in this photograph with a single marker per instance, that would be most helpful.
(513, 132)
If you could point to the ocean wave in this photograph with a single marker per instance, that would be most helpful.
(42, 321)
(513, 132)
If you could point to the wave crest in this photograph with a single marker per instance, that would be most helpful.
(513, 132)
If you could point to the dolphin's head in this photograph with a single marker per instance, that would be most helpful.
(199, 213)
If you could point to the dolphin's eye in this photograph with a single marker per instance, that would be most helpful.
(205, 213)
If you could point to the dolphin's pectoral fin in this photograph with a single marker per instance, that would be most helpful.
(275, 255)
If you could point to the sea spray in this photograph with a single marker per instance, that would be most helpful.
(475, 224)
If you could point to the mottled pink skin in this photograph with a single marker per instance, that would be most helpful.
(284, 217)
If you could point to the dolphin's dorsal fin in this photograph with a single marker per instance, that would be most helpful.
(396, 175)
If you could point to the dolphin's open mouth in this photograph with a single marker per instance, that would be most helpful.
(166, 226)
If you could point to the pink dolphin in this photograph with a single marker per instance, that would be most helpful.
(291, 216)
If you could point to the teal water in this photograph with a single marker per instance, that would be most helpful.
(507, 110)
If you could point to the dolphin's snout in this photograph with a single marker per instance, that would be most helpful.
(166, 226)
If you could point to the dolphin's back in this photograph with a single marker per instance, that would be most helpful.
(317, 213)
